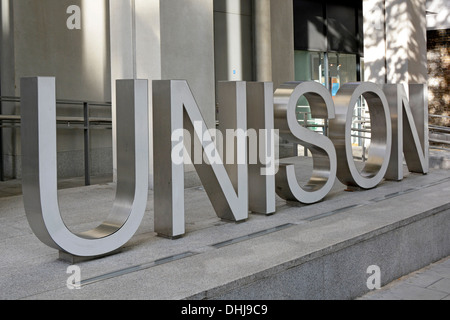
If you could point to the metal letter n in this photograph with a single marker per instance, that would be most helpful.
(174, 109)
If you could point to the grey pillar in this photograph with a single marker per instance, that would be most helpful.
(155, 39)
(263, 40)
(374, 41)
(395, 41)
(406, 40)
(135, 51)
(282, 26)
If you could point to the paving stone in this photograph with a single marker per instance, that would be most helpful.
(409, 287)
(408, 292)
(445, 263)
(379, 295)
(442, 285)
(442, 270)
(424, 279)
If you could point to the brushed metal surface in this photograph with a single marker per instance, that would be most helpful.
(321, 147)
(261, 173)
(409, 129)
(341, 130)
(38, 131)
(175, 108)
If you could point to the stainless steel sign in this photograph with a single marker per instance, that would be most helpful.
(39, 169)
(399, 125)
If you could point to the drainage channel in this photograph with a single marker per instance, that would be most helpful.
(376, 200)
(136, 268)
(181, 256)
(251, 236)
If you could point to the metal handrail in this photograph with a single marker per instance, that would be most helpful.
(438, 116)
(444, 144)
(87, 121)
(439, 128)
(61, 101)
(432, 128)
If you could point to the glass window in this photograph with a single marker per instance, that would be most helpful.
(332, 70)
(342, 69)
(321, 25)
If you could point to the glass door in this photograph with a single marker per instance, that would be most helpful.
(342, 68)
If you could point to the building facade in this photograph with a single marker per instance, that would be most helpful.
(438, 39)
(203, 42)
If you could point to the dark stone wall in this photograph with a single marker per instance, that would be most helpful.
(439, 75)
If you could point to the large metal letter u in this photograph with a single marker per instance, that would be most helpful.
(39, 167)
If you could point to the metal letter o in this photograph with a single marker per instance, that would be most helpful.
(341, 134)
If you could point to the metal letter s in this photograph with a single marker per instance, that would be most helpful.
(322, 149)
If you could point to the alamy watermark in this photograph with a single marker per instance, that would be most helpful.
(211, 147)
(374, 281)
(74, 20)
(74, 280)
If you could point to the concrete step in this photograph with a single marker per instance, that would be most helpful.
(440, 158)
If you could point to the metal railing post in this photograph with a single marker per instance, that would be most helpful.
(305, 124)
(2, 173)
(85, 123)
(87, 147)
(364, 151)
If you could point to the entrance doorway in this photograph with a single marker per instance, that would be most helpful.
(332, 70)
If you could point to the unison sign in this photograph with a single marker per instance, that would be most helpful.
(398, 122)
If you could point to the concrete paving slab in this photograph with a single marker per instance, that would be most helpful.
(423, 279)
(410, 286)
(408, 292)
(441, 285)
(443, 271)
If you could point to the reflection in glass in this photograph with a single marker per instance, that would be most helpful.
(332, 70)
